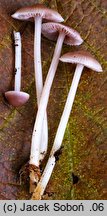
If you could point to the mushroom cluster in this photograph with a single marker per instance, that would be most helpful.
(53, 30)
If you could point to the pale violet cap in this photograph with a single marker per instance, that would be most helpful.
(51, 31)
(16, 98)
(29, 12)
(82, 57)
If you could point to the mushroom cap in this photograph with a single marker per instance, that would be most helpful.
(82, 57)
(16, 98)
(51, 31)
(30, 12)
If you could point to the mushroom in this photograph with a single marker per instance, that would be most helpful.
(17, 98)
(81, 58)
(39, 12)
(68, 36)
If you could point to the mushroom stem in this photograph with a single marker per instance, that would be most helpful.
(38, 192)
(17, 39)
(36, 137)
(39, 83)
(67, 109)
(37, 57)
(17, 98)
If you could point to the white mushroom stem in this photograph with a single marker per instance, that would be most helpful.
(37, 57)
(67, 109)
(38, 192)
(36, 137)
(39, 84)
(41, 186)
(17, 39)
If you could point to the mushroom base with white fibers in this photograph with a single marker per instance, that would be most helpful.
(34, 175)
(36, 137)
(38, 192)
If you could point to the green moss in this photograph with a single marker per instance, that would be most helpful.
(8, 119)
(98, 54)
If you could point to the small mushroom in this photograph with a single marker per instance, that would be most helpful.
(39, 13)
(69, 36)
(81, 58)
(17, 98)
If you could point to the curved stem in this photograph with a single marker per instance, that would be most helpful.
(36, 137)
(17, 39)
(38, 192)
(39, 83)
